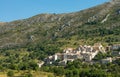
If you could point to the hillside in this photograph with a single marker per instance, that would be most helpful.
(97, 24)
(26, 43)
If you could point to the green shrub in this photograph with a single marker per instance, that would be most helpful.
(10, 74)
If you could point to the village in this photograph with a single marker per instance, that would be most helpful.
(85, 53)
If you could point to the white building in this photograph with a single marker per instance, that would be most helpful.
(107, 60)
(58, 56)
(115, 47)
(88, 56)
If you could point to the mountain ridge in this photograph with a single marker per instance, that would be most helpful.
(59, 26)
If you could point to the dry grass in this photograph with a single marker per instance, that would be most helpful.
(34, 73)
(2, 74)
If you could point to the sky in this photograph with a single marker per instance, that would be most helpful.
(11, 10)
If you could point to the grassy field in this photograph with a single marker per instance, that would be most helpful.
(22, 73)
(3, 74)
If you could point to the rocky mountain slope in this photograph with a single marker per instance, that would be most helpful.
(96, 24)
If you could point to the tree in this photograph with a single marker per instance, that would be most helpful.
(75, 73)
(69, 74)
(59, 71)
(10, 74)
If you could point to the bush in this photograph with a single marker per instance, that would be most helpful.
(29, 75)
(10, 74)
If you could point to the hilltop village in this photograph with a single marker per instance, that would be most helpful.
(85, 53)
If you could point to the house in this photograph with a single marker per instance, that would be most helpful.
(58, 56)
(88, 56)
(71, 56)
(87, 52)
(108, 48)
(115, 46)
(68, 50)
(107, 60)
(99, 47)
(63, 62)
(115, 53)
(48, 60)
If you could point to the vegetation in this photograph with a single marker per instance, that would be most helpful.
(79, 69)
(10, 74)
(24, 43)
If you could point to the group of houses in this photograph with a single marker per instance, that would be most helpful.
(115, 52)
(84, 52)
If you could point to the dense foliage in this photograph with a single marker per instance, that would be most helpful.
(79, 69)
